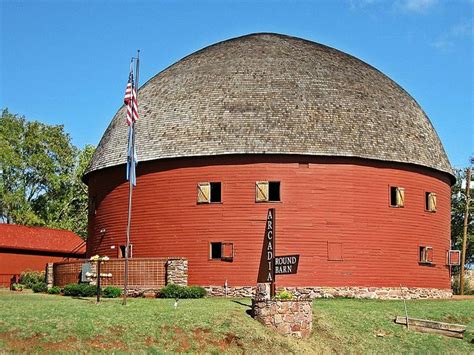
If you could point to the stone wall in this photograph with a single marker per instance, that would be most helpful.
(177, 272)
(385, 293)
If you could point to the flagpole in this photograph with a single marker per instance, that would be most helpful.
(130, 191)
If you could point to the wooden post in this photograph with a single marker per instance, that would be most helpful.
(98, 280)
(466, 220)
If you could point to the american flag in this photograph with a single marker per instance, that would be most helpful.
(130, 100)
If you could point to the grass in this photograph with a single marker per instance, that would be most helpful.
(46, 323)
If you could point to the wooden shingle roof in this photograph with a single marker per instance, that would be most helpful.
(274, 94)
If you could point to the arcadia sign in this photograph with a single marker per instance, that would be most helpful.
(270, 264)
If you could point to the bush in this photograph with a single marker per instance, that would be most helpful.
(55, 290)
(175, 291)
(284, 295)
(468, 290)
(30, 278)
(80, 290)
(17, 287)
(40, 287)
(111, 292)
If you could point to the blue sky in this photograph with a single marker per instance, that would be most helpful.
(66, 62)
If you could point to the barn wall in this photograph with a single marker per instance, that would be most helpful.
(323, 200)
(14, 263)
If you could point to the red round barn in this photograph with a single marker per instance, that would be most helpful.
(352, 165)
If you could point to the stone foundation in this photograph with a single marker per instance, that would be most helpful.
(384, 293)
(237, 291)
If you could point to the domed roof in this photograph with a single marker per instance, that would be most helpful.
(274, 94)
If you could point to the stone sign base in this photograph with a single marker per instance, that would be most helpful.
(287, 317)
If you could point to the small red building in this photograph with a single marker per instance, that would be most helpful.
(31, 248)
(351, 163)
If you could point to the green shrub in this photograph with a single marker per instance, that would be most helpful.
(55, 290)
(284, 295)
(40, 287)
(17, 287)
(468, 290)
(111, 292)
(175, 291)
(80, 290)
(195, 292)
(30, 278)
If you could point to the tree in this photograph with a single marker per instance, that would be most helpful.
(40, 181)
(458, 203)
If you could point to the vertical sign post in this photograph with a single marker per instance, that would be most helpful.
(266, 272)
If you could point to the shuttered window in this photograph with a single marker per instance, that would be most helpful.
(426, 255)
(227, 251)
(221, 251)
(267, 191)
(397, 196)
(430, 201)
(209, 192)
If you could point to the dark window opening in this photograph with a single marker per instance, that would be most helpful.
(216, 250)
(215, 192)
(274, 191)
(122, 250)
(397, 196)
(393, 196)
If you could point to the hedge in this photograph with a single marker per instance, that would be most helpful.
(80, 290)
(40, 287)
(175, 291)
(30, 278)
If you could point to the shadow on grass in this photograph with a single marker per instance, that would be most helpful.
(242, 304)
(83, 298)
(248, 311)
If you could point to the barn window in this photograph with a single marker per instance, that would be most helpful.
(454, 257)
(122, 249)
(397, 196)
(426, 255)
(430, 201)
(334, 251)
(222, 251)
(267, 191)
(209, 192)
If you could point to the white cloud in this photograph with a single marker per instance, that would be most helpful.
(417, 5)
(448, 39)
(363, 3)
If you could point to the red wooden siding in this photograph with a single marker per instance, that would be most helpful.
(322, 200)
(15, 262)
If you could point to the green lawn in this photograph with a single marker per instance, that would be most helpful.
(46, 323)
